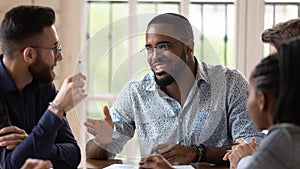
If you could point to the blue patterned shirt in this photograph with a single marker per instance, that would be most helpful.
(214, 112)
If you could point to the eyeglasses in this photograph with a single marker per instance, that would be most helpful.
(56, 49)
(160, 48)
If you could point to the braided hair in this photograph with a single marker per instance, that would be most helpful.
(265, 75)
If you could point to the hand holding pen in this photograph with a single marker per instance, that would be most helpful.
(156, 161)
(174, 153)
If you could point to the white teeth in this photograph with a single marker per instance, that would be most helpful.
(160, 66)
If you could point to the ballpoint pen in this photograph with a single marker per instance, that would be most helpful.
(80, 66)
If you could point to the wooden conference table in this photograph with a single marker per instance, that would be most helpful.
(99, 164)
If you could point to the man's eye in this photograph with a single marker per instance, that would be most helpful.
(149, 49)
(164, 46)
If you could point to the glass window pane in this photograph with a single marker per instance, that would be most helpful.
(276, 13)
(212, 48)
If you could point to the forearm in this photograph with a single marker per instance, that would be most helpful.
(215, 155)
(95, 151)
(65, 155)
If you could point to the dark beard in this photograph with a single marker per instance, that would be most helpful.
(41, 71)
(165, 81)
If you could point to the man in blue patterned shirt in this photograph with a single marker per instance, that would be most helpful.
(188, 110)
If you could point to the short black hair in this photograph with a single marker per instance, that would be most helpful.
(22, 23)
(288, 105)
(180, 23)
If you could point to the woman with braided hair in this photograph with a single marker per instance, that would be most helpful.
(273, 104)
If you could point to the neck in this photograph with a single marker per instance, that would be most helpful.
(18, 72)
(180, 88)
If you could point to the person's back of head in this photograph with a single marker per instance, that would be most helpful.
(263, 92)
(21, 26)
(265, 75)
(281, 32)
(288, 106)
(180, 24)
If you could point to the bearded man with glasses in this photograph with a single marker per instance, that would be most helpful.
(33, 121)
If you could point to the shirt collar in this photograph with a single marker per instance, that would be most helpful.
(151, 86)
(6, 82)
(202, 73)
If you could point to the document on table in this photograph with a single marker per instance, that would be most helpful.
(129, 166)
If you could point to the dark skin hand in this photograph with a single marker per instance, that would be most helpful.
(185, 155)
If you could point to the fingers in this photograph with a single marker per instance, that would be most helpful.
(101, 129)
(36, 164)
(107, 116)
(150, 162)
(77, 80)
(240, 141)
(44, 164)
(10, 144)
(72, 92)
(103, 132)
(253, 143)
(156, 162)
(91, 130)
(12, 129)
(226, 156)
(90, 124)
(76, 77)
(253, 140)
(13, 137)
(106, 113)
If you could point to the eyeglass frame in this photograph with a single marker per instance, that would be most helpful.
(56, 49)
(159, 48)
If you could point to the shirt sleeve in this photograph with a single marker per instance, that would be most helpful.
(122, 116)
(240, 124)
(51, 139)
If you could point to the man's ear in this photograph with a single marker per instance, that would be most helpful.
(29, 55)
(190, 46)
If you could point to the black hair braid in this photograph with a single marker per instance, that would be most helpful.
(266, 74)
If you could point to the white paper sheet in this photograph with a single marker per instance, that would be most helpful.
(129, 166)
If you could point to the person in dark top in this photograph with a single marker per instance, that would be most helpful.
(33, 122)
